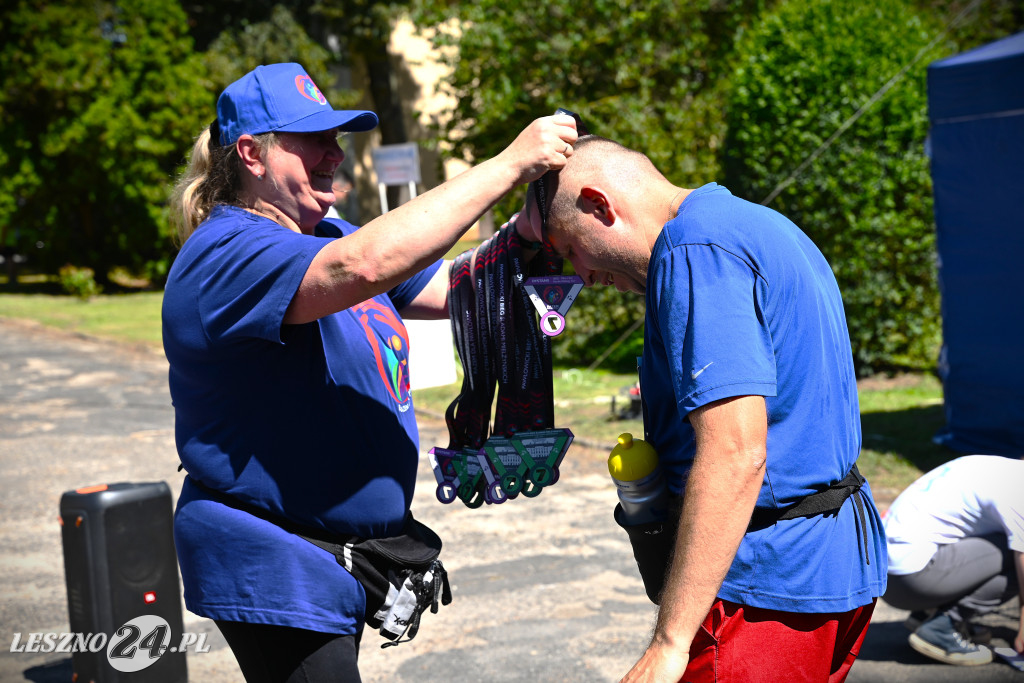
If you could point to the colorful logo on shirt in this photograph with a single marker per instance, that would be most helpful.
(390, 343)
(308, 88)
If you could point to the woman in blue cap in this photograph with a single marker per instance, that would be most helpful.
(289, 363)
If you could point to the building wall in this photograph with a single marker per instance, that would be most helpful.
(417, 73)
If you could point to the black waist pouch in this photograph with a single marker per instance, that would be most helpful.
(401, 576)
(652, 543)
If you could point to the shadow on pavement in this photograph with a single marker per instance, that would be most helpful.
(52, 672)
(887, 642)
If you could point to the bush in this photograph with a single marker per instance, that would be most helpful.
(106, 117)
(644, 74)
(867, 200)
(597, 320)
(80, 282)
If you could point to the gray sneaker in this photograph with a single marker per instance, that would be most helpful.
(918, 617)
(944, 640)
(979, 634)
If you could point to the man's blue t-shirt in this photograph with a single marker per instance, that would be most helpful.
(311, 422)
(741, 302)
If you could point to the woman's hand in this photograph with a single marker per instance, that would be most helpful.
(544, 145)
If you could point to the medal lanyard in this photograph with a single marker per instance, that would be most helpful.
(499, 342)
(497, 334)
(543, 184)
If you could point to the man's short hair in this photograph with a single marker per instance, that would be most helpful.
(595, 157)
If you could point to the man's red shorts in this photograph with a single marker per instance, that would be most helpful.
(749, 644)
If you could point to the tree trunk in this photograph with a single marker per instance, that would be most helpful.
(385, 104)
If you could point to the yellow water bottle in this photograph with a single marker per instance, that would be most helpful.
(643, 494)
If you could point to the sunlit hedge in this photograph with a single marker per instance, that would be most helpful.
(866, 200)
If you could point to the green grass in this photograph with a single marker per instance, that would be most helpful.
(133, 318)
(899, 415)
(583, 403)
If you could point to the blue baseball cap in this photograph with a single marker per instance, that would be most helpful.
(275, 98)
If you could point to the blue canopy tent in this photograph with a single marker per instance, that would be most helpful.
(976, 108)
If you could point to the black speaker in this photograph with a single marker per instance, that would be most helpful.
(122, 580)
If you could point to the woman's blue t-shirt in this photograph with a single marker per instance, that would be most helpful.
(741, 302)
(311, 422)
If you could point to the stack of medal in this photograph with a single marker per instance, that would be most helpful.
(492, 304)
(502, 469)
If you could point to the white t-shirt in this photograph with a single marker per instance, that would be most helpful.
(973, 495)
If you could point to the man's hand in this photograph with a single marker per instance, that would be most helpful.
(660, 664)
(721, 491)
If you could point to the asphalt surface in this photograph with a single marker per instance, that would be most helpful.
(545, 588)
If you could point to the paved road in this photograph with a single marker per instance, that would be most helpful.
(545, 589)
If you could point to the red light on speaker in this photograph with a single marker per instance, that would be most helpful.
(78, 520)
(149, 597)
(92, 489)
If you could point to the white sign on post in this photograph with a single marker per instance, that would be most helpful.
(396, 165)
(431, 353)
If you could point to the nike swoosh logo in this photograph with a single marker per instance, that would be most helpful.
(694, 375)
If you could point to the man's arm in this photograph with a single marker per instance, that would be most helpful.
(720, 495)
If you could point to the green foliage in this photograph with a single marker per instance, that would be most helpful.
(982, 23)
(649, 75)
(658, 76)
(865, 201)
(98, 103)
(80, 282)
(364, 24)
(595, 326)
(278, 38)
(644, 74)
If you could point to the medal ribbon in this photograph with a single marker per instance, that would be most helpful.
(499, 342)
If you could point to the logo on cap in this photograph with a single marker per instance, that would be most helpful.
(307, 87)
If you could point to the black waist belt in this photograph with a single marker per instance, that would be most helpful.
(823, 502)
(401, 575)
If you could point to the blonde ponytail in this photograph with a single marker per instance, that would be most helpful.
(188, 209)
(212, 176)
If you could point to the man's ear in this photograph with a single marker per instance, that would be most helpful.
(249, 153)
(595, 202)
